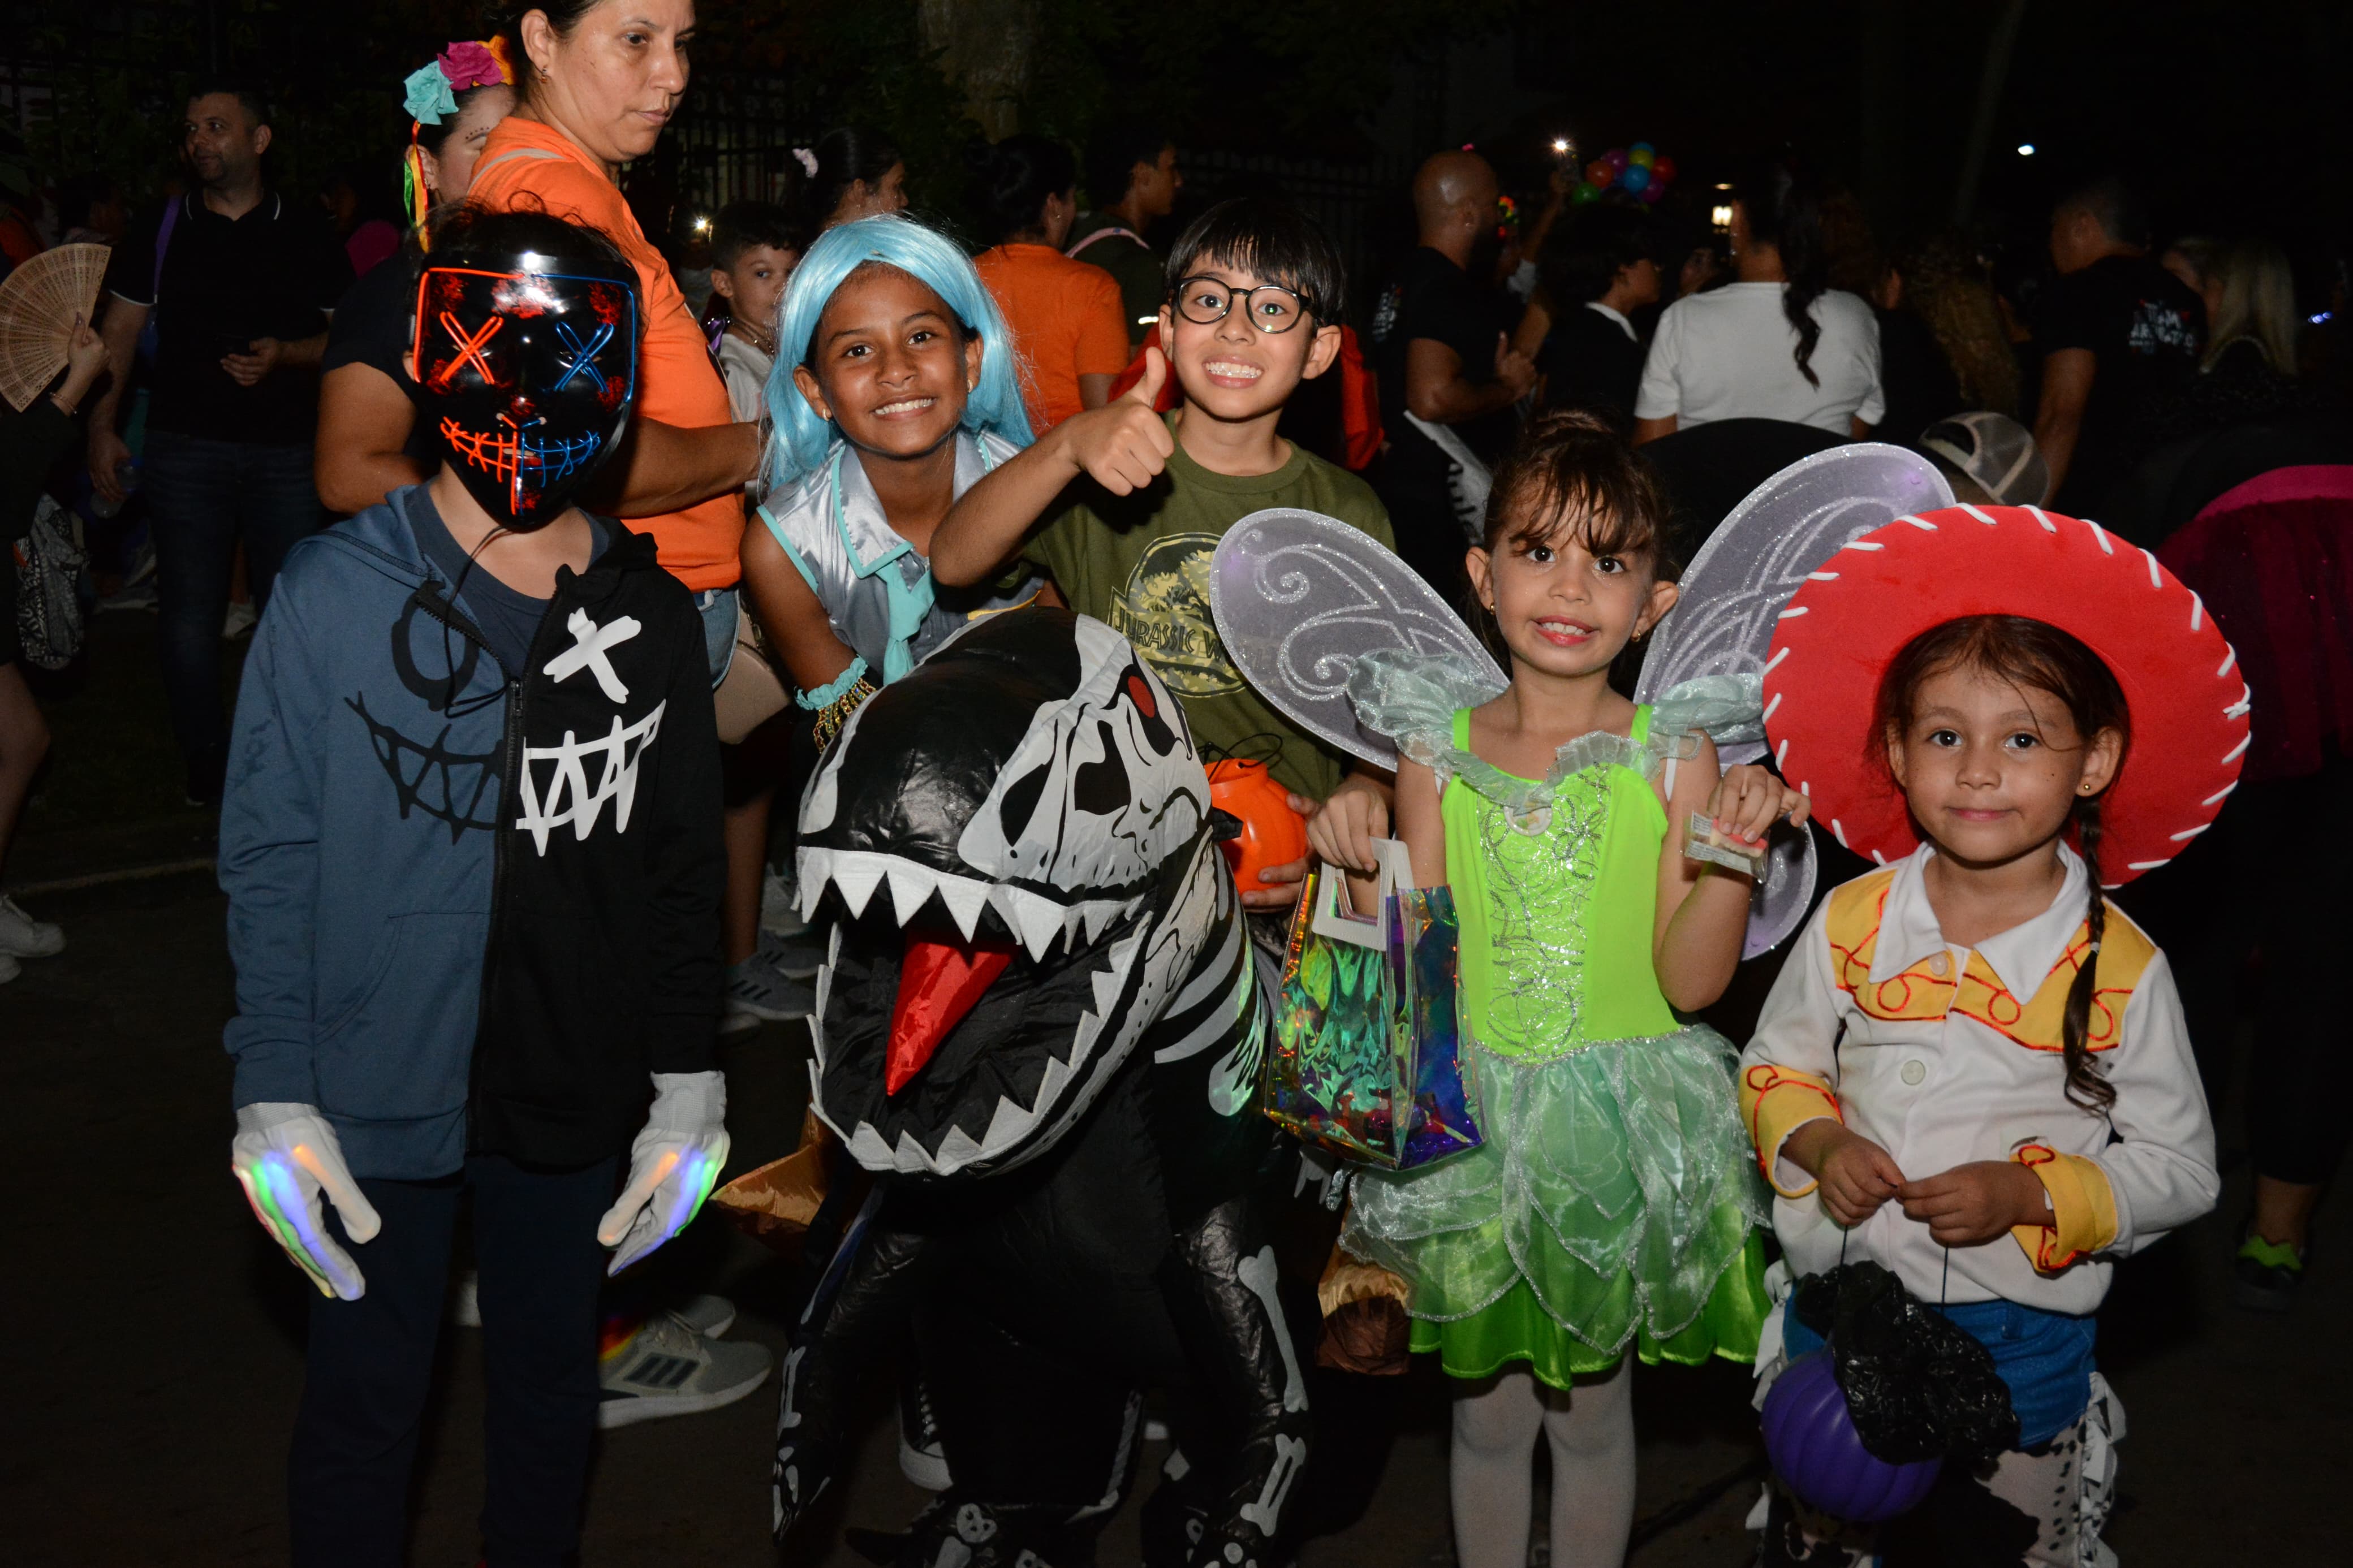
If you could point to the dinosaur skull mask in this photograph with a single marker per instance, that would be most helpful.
(527, 375)
(1030, 798)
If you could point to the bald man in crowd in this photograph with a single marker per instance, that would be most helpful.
(1441, 344)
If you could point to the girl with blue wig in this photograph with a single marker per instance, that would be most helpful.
(894, 391)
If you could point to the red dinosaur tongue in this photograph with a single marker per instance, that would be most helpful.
(939, 982)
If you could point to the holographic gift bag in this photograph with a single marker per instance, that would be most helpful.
(1367, 1059)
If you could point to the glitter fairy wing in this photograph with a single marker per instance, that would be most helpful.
(1300, 597)
(1736, 587)
(1732, 595)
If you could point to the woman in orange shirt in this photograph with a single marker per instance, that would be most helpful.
(597, 81)
(1066, 317)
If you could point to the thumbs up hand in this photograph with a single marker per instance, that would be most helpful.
(1123, 444)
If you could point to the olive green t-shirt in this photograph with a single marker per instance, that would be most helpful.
(1141, 562)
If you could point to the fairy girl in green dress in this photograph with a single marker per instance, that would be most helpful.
(1613, 1209)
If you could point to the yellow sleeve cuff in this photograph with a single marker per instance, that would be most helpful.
(1774, 1101)
(2083, 1209)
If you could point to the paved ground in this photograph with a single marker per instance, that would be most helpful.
(153, 1334)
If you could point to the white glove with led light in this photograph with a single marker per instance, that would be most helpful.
(672, 1165)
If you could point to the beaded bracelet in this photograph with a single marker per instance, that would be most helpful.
(835, 713)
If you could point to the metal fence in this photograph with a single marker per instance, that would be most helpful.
(733, 142)
(1357, 204)
(732, 139)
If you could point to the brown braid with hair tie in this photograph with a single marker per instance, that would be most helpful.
(2087, 1085)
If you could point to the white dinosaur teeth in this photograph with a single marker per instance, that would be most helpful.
(1051, 1082)
(1038, 920)
(1107, 981)
(909, 885)
(857, 879)
(1007, 1126)
(1084, 1040)
(866, 1146)
(811, 867)
(965, 901)
(956, 1151)
(910, 1156)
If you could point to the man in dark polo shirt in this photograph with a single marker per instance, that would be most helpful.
(1441, 348)
(241, 292)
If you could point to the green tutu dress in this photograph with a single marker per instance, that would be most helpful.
(1614, 1201)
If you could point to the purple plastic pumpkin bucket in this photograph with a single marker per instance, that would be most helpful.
(1810, 1438)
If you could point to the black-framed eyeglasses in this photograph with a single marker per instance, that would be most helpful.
(1269, 307)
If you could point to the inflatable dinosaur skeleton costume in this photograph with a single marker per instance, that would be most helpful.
(1039, 1024)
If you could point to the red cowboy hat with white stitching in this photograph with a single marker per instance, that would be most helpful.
(1845, 626)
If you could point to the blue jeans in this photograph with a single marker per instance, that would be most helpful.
(722, 610)
(204, 497)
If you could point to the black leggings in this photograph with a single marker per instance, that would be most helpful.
(371, 1361)
(2263, 884)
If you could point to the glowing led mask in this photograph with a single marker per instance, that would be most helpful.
(528, 367)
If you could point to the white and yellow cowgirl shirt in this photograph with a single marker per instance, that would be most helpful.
(1943, 1056)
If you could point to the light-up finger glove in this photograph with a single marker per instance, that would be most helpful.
(672, 1164)
(285, 1156)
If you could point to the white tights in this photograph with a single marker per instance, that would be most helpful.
(1591, 1433)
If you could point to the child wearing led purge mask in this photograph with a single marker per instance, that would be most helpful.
(470, 844)
(1973, 1069)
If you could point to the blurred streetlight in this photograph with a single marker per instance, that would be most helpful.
(2026, 149)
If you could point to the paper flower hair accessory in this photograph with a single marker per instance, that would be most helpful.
(470, 64)
(431, 91)
(428, 95)
(808, 160)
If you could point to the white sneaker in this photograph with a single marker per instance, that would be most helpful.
(22, 936)
(780, 905)
(922, 1456)
(10, 968)
(668, 1368)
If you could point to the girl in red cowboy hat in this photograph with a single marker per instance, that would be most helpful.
(1973, 1070)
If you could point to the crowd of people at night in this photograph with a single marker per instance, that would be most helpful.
(549, 567)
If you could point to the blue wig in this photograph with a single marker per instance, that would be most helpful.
(802, 440)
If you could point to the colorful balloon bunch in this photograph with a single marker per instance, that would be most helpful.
(1640, 171)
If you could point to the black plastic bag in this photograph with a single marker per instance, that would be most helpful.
(1916, 1386)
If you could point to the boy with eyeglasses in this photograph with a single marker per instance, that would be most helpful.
(1134, 502)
